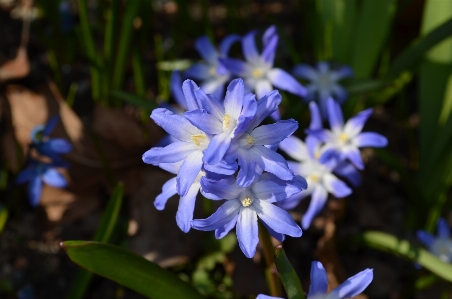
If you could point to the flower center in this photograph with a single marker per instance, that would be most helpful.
(343, 138)
(247, 202)
(314, 178)
(257, 73)
(198, 139)
(250, 140)
(213, 71)
(324, 80)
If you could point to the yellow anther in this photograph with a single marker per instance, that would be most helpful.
(197, 139)
(250, 140)
(324, 80)
(257, 73)
(226, 120)
(317, 155)
(314, 178)
(213, 71)
(343, 137)
(246, 202)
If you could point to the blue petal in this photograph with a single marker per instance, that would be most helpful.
(233, 102)
(305, 71)
(53, 178)
(443, 230)
(260, 296)
(355, 124)
(342, 72)
(339, 92)
(206, 49)
(426, 238)
(271, 161)
(268, 54)
(246, 116)
(278, 236)
(204, 121)
(336, 186)
(272, 189)
(277, 219)
(215, 88)
(217, 148)
(51, 125)
(318, 199)
(249, 47)
(349, 172)
(34, 134)
(247, 231)
(169, 189)
(35, 190)
(222, 167)
(224, 230)
(176, 125)
(25, 175)
(261, 87)
(275, 133)
(188, 172)
(354, 156)
(225, 214)
(184, 214)
(247, 172)
(236, 66)
(224, 189)
(370, 139)
(189, 87)
(295, 148)
(285, 81)
(335, 116)
(198, 71)
(171, 167)
(210, 103)
(227, 42)
(319, 281)
(293, 201)
(352, 286)
(176, 89)
(316, 117)
(171, 153)
(269, 33)
(265, 106)
(54, 145)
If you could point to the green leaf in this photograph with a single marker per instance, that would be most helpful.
(103, 234)
(392, 244)
(134, 100)
(415, 52)
(129, 270)
(289, 278)
(372, 30)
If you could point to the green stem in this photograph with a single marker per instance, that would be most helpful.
(273, 282)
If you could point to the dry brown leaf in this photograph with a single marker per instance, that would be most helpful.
(17, 68)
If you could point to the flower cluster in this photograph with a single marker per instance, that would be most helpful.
(440, 246)
(42, 168)
(319, 284)
(258, 72)
(222, 151)
(328, 152)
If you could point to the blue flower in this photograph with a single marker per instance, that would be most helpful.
(440, 246)
(319, 284)
(211, 71)
(38, 173)
(319, 176)
(344, 140)
(245, 205)
(46, 146)
(323, 82)
(258, 71)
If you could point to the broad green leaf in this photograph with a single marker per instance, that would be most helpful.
(129, 270)
(3, 217)
(134, 99)
(103, 234)
(392, 244)
(447, 102)
(289, 278)
(372, 29)
(436, 13)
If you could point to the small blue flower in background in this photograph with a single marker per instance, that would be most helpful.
(245, 205)
(211, 71)
(46, 146)
(258, 72)
(319, 284)
(344, 140)
(44, 171)
(38, 173)
(440, 246)
(26, 293)
(319, 176)
(323, 82)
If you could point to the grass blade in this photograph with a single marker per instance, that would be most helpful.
(289, 278)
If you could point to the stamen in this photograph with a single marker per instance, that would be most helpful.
(226, 120)
(250, 140)
(257, 73)
(197, 139)
(247, 202)
(213, 71)
(343, 137)
(314, 178)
